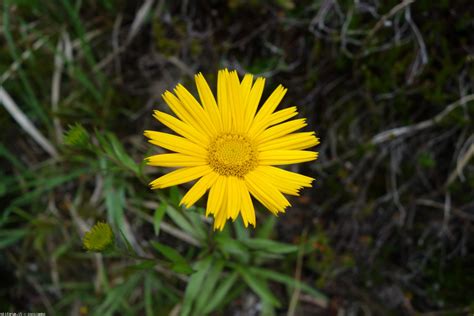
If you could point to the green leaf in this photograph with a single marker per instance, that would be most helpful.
(221, 292)
(169, 252)
(209, 286)
(11, 236)
(240, 230)
(117, 296)
(269, 246)
(180, 264)
(265, 230)
(184, 223)
(114, 191)
(175, 196)
(158, 217)
(144, 265)
(267, 309)
(289, 281)
(231, 246)
(182, 267)
(195, 284)
(122, 155)
(128, 245)
(258, 285)
(148, 296)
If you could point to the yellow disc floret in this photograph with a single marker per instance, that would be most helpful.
(232, 155)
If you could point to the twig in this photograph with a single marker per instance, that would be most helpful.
(42, 294)
(387, 16)
(25, 123)
(139, 19)
(56, 86)
(23, 57)
(312, 300)
(401, 131)
(297, 291)
(461, 164)
(416, 68)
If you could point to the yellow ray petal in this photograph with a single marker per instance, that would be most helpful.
(179, 176)
(275, 118)
(286, 157)
(288, 176)
(245, 87)
(234, 197)
(220, 217)
(196, 110)
(266, 193)
(282, 115)
(222, 100)
(198, 189)
(234, 101)
(253, 101)
(175, 143)
(182, 128)
(247, 209)
(286, 188)
(296, 141)
(208, 101)
(181, 110)
(175, 160)
(216, 196)
(280, 130)
(285, 181)
(270, 105)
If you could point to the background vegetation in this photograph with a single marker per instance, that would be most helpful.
(386, 230)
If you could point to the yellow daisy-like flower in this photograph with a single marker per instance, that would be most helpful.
(231, 146)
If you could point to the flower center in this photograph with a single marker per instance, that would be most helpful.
(232, 155)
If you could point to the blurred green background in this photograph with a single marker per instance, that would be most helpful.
(387, 228)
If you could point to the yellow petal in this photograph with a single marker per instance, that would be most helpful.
(181, 110)
(245, 87)
(285, 181)
(296, 141)
(234, 198)
(179, 176)
(265, 192)
(270, 105)
(198, 189)
(288, 176)
(220, 217)
(247, 209)
(216, 196)
(185, 130)
(175, 160)
(195, 109)
(286, 157)
(208, 101)
(175, 143)
(282, 115)
(217, 202)
(280, 130)
(234, 101)
(222, 100)
(253, 101)
(275, 118)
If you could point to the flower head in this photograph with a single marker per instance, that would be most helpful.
(98, 238)
(231, 146)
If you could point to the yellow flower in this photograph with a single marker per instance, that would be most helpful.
(231, 147)
(98, 238)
